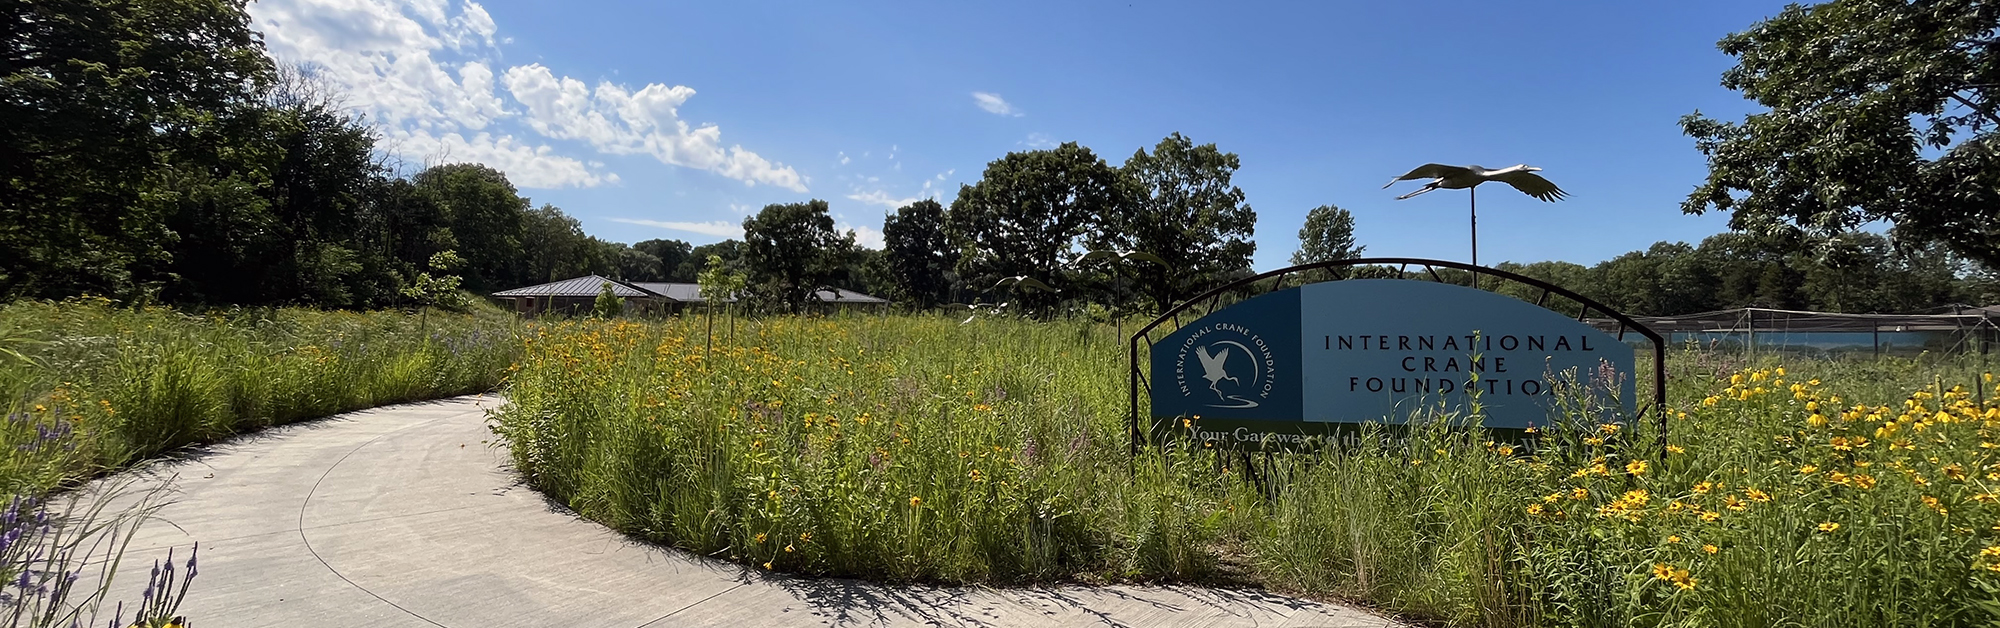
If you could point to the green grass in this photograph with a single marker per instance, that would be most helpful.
(919, 449)
(90, 387)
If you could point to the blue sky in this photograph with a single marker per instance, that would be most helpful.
(676, 120)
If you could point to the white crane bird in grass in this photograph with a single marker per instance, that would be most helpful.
(1468, 178)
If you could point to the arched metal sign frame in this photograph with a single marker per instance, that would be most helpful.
(1208, 302)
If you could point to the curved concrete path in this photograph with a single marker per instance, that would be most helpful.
(402, 516)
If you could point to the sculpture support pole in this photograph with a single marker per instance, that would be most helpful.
(1474, 196)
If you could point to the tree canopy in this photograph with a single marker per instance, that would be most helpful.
(1327, 235)
(1877, 110)
(151, 151)
(791, 250)
(1179, 205)
(1028, 213)
(919, 254)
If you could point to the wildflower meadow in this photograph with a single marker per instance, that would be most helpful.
(1792, 491)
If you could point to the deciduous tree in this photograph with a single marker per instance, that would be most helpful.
(1028, 213)
(485, 215)
(95, 97)
(919, 254)
(671, 253)
(1181, 206)
(1877, 110)
(1327, 235)
(791, 250)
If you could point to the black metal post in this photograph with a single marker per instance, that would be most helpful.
(1473, 193)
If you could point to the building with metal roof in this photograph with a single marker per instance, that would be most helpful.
(838, 296)
(579, 295)
(681, 292)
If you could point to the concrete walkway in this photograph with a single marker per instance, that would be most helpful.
(400, 516)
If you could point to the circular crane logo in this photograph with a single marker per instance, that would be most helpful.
(1235, 364)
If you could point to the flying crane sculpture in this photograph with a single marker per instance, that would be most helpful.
(1468, 178)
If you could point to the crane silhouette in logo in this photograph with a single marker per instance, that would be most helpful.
(1213, 369)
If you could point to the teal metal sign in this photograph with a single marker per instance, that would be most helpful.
(1283, 367)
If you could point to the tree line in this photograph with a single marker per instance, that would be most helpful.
(150, 151)
(1021, 233)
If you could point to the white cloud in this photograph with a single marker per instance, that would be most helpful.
(1039, 140)
(879, 197)
(996, 105)
(380, 57)
(843, 158)
(717, 228)
(526, 165)
(620, 121)
(866, 237)
(428, 69)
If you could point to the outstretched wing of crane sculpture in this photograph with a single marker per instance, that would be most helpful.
(1521, 176)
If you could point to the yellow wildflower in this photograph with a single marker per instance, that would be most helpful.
(1934, 504)
(1683, 581)
(1829, 526)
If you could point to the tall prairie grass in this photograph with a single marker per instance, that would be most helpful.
(919, 449)
(90, 387)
